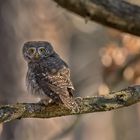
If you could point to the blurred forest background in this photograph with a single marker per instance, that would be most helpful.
(101, 59)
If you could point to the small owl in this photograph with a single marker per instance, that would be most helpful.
(48, 76)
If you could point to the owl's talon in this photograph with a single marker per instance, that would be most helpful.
(52, 102)
(76, 110)
(44, 102)
(78, 100)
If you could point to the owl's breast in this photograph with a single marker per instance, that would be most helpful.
(32, 85)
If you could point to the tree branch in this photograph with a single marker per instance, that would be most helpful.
(114, 100)
(117, 14)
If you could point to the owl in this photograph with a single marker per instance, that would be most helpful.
(48, 76)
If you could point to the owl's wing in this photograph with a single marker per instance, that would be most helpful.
(61, 84)
(61, 81)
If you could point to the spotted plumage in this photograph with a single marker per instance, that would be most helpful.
(48, 76)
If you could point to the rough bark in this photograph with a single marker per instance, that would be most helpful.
(117, 14)
(114, 100)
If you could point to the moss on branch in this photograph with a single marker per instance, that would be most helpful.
(114, 100)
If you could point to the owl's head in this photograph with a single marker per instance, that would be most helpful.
(37, 50)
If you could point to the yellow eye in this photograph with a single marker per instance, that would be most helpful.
(42, 50)
(31, 51)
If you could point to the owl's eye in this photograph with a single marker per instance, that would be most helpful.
(31, 51)
(42, 50)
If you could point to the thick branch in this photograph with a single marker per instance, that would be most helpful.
(118, 14)
(114, 100)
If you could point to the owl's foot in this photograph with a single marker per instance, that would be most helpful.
(45, 102)
(76, 107)
(78, 100)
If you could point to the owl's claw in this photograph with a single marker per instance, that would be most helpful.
(44, 102)
(78, 100)
(75, 109)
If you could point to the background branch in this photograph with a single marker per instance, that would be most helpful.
(118, 14)
(114, 100)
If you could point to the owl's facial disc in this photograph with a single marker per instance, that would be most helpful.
(37, 53)
(37, 50)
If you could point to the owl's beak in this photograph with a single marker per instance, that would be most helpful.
(36, 55)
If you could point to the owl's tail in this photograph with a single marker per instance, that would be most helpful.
(69, 102)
